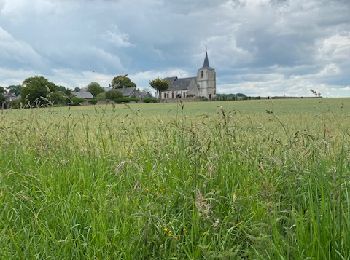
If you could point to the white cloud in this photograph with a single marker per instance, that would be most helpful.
(256, 46)
(335, 48)
(18, 52)
(117, 38)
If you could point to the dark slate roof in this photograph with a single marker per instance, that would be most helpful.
(180, 84)
(83, 94)
(142, 94)
(127, 92)
(206, 61)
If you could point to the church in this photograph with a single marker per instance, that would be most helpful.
(201, 86)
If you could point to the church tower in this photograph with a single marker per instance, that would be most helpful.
(206, 80)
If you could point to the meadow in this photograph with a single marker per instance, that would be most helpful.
(263, 179)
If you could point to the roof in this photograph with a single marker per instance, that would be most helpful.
(180, 84)
(142, 94)
(127, 92)
(83, 94)
(206, 61)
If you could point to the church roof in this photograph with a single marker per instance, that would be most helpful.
(206, 61)
(180, 84)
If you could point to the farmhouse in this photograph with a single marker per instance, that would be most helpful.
(201, 86)
(83, 94)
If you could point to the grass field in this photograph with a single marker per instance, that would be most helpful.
(212, 180)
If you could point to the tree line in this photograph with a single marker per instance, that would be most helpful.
(37, 91)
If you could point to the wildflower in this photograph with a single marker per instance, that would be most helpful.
(120, 167)
(216, 223)
(202, 204)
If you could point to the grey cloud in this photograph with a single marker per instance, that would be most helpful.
(271, 44)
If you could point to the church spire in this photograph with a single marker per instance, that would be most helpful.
(206, 61)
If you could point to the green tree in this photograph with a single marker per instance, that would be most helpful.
(57, 98)
(2, 96)
(159, 85)
(122, 81)
(75, 101)
(114, 95)
(64, 90)
(94, 88)
(36, 89)
(76, 89)
(101, 96)
(14, 89)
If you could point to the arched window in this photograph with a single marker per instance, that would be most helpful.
(202, 74)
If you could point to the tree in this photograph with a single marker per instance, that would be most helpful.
(101, 96)
(36, 89)
(76, 89)
(2, 96)
(122, 81)
(114, 95)
(57, 98)
(75, 101)
(94, 88)
(159, 85)
(14, 89)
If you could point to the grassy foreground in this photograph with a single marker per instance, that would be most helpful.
(259, 180)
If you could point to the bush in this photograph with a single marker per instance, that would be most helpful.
(150, 100)
(15, 104)
(101, 96)
(75, 101)
(114, 95)
(126, 100)
(93, 101)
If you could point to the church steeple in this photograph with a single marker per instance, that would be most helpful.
(206, 61)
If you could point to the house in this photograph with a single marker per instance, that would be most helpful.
(83, 94)
(128, 92)
(9, 97)
(201, 86)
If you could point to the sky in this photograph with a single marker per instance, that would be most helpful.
(258, 47)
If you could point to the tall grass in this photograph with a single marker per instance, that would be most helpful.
(120, 183)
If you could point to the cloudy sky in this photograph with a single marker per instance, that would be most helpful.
(258, 47)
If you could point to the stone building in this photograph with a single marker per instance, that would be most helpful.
(201, 86)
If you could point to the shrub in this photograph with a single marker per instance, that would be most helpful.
(114, 95)
(126, 100)
(75, 101)
(150, 100)
(101, 96)
(93, 101)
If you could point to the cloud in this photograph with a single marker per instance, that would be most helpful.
(14, 52)
(258, 47)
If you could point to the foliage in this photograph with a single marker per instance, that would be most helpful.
(232, 97)
(2, 97)
(14, 89)
(150, 100)
(15, 104)
(75, 101)
(101, 96)
(122, 81)
(93, 101)
(57, 98)
(76, 89)
(114, 95)
(94, 88)
(159, 85)
(126, 100)
(35, 90)
(197, 180)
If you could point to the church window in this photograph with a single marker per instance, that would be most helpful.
(202, 74)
